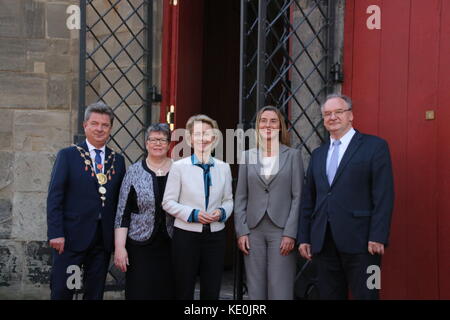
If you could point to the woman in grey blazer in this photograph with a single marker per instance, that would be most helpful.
(267, 203)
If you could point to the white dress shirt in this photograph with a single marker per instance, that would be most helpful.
(93, 154)
(345, 141)
(268, 165)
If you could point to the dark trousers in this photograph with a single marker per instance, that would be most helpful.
(338, 272)
(149, 275)
(198, 253)
(94, 263)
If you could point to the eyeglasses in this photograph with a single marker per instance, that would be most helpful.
(156, 140)
(337, 113)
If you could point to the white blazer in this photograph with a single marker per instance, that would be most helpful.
(185, 192)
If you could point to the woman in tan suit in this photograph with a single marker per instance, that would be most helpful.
(267, 203)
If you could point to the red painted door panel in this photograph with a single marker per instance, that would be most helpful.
(443, 151)
(394, 75)
(422, 246)
(182, 56)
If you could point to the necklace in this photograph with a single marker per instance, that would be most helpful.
(102, 178)
(158, 170)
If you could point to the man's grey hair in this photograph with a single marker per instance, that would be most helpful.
(158, 127)
(99, 107)
(347, 99)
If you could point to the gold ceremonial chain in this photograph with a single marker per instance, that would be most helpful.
(102, 178)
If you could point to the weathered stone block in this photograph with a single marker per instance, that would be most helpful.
(39, 67)
(38, 261)
(22, 19)
(74, 47)
(24, 270)
(59, 46)
(33, 19)
(11, 266)
(68, 2)
(6, 129)
(10, 23)
(74, 95)
(51, 52)
(22, 90)
(13, 55)
(41, 130)
(36, 51)
(58, 92)
(74, 121)
(56, 21)
(42, 47)
(6, 169)
(58, 63)
(5, 218)
(32, 171)
(29, 216)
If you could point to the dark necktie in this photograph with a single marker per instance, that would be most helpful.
(206, 180)
(98, 161)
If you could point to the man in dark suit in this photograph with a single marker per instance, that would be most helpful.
(346, 206)
(81, 205)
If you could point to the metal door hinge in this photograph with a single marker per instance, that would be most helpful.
(156, 97)
(337, 75)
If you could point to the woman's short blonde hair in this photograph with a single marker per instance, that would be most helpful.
(284, 134)
(205, 119)
(202, 118)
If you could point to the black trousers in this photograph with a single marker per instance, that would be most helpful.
(338, 272)
(195, 254)
(94, 263)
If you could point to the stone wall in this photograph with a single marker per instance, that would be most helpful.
(38, 116)
(38, 80)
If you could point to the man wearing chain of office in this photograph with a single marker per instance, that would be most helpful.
(81, 204)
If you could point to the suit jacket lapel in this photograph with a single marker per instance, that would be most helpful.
(255, 163)
(257, 167)
(85, 147)
(107, 165)
(322, 160)
(86, 150)
(352, 147)
(281, 162)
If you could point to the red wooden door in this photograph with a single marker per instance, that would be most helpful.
(443, 151)
(182, 53)
(394, 75)
(200, 60)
